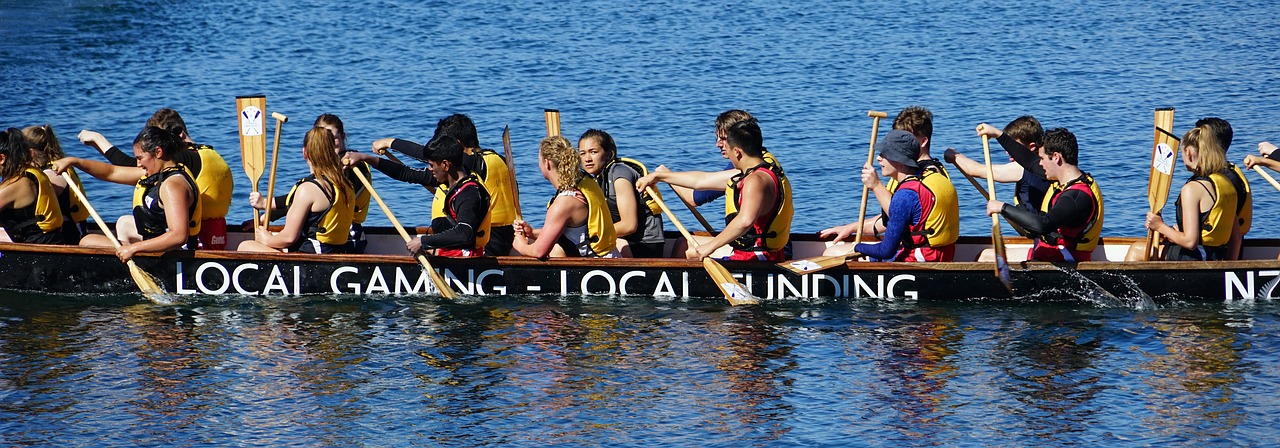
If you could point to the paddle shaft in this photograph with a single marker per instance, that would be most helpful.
(871, 154)
(672, 216)
(1266, 176)
(275, 160)
(441, 285)
(997, 240)
(721, 276)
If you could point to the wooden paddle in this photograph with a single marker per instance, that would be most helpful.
(1164, 157)
(146, 283)
(553, 121)
(997, 240)
(511, 168)
(446, 291)
(1266, 176)
(729, 286)
(820, 263)
(275, 159)
(253, 140)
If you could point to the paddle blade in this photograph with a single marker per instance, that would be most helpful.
(438, 280)
(251, 116)
(1002, 259)
(148, 285)
(814, 265)
(733, 291)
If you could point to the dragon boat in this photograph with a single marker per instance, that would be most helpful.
(387, 269)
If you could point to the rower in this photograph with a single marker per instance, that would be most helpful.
(166, 200)
(922, 209)
(212, 175)
(318, 210)
(464, 230)
(1206, 205)
(758, 209)
(1068, 224)
(637, 219)
(46, 149)
(488, 166)
(29, 211)
(919, 122)
(362, 194)
(578, 222)
(1021, 139)
(1244, 195)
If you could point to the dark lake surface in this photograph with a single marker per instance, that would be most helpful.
(533, 371)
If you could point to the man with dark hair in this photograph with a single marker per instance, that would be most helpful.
(1244, 203)
(1067, 225)
(464, 230)
(212, 175)
(487, 165)
(1021, 139)
(759, 210)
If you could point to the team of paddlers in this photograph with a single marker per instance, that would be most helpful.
(604, 205)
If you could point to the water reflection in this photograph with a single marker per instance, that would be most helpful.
(1193, 382)
(913, 351)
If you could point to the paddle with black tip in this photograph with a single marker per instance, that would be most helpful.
(275, 159)
(1164, 156)
(146, 283)
(446, 291)
(253, 140)
(729, 286)
(821, 263)
(997, 240)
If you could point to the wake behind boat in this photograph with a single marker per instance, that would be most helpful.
(387, 269)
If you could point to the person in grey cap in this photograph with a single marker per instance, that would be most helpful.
(923, 217)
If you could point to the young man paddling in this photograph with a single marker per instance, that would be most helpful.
(922, 202)
(488, 166)
(1069, 221)
(212, 175)
(1022, 139)
(464, 230)
(919, 122)
(758, 207)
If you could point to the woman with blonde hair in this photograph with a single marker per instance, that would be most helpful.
(1206, 205)
(578, 222)
(318, 210)
(45, 149)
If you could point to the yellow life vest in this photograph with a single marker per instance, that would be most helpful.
(48, 214)
(497, 181)
(601, 236)
(333, 226)
(941, 226)
(1083, 239)
(772, 231)
(1215, 224)
(75, 211)
(214, 183)
(1244, 198)
(360, 209)
(634, 164)
(481, 233)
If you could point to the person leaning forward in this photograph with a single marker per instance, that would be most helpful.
(1067, 225)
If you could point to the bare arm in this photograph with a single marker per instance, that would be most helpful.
(103, 171)
(754, 186)
(697, 180)
(562, 211)
(1194, 193)
(177, 196)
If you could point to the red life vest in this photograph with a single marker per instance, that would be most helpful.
(917, 248)
(1070, 244)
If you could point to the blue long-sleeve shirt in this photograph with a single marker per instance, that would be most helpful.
(904, 211)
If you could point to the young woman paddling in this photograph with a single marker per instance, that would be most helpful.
(577, 222)
(45, 149)
(638, 227)
(1206, 205)
(29, 210)
(166, 204)
(318, 209)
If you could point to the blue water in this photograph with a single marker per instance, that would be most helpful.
(540, 371)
